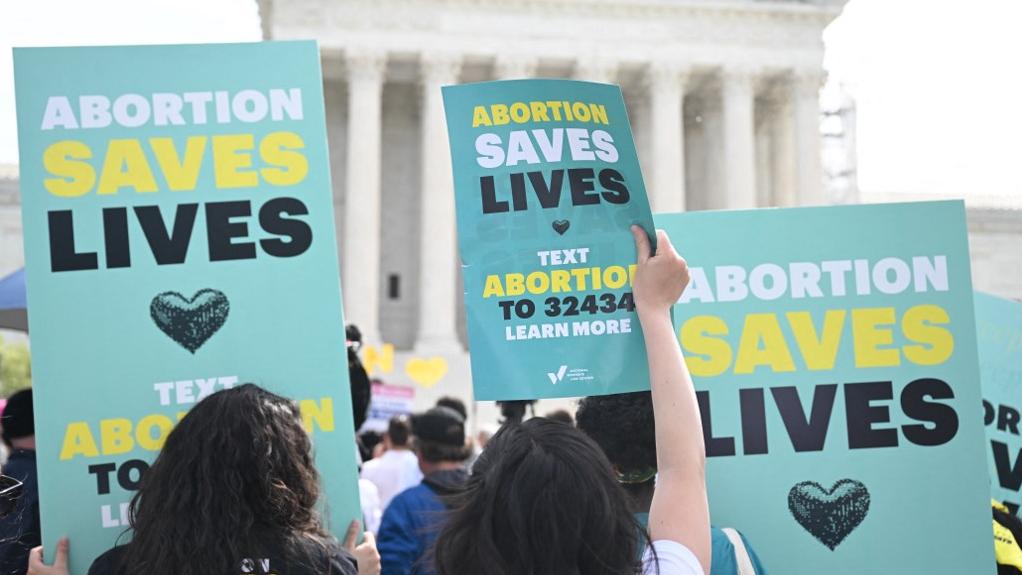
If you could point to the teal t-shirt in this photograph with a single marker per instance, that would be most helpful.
(723, 561)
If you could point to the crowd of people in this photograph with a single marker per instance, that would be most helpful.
(235, 489)
(617, 489)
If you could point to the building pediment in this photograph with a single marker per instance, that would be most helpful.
(702, 31)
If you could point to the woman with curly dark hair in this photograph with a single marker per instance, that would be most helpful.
(234, 490)
(543, 499)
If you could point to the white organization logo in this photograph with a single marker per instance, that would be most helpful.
(575, 374)
(555, 377)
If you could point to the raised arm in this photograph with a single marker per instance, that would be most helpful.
(679, 511)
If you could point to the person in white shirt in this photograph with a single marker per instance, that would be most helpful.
(398, 468)
(543, 498)
(372, 510)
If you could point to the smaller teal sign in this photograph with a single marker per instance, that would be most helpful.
(547, 185)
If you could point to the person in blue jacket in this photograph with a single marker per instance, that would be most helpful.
(622, 425)
(414, 517)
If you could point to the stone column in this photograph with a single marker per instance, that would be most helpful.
(437, 280)
(783, 146)
(667, 177)
(595, 69)
(712, 195)
(805, 99)
(739, 142)
(764, 142)
(509, 67)
(361, 250)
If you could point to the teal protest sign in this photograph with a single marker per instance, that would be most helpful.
(834, 355)
(999, 335)
(179, 240)
(547, 185)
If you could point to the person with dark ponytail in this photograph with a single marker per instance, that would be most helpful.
(233, 491)
(543, 497)
(622, 425)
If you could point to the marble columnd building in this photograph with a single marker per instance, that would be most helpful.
(723, 99)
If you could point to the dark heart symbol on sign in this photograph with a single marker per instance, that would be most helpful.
(829, 515)
(561, 226)
(190, 322)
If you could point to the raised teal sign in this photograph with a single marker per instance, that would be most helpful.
(999, 333)
(179, 239)
(834, 355)
(547, 185)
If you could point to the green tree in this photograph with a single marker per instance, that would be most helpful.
(15, 367)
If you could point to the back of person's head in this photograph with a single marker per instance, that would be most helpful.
(235, 479)
(18, 419)
(367, 442)
(561, 415)
(399, 431)
(541, 500)
(622, 425)
(455, 404)
(440, 436)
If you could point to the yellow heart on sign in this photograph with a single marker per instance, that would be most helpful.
(426, 372)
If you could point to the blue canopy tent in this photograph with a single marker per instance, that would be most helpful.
(13, 305)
